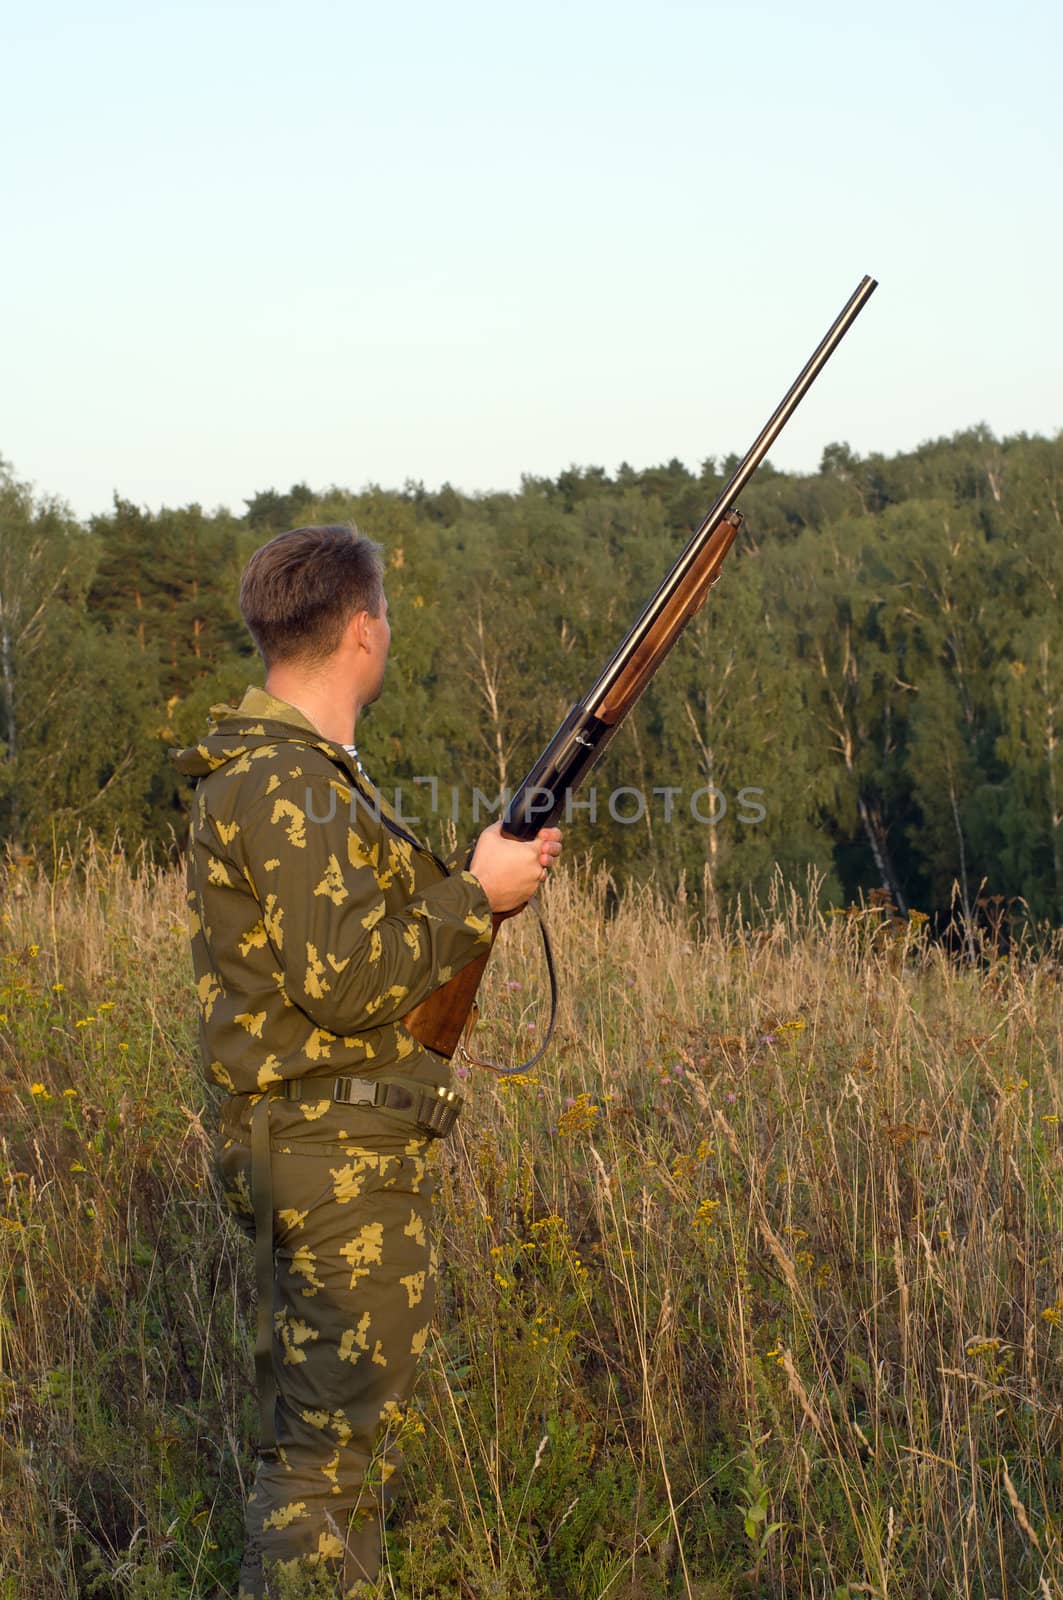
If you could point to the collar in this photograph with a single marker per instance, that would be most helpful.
(259, 704)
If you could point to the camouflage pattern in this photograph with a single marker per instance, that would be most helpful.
(317, 920)
(353, 1294)
(315, 927)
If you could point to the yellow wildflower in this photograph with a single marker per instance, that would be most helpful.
(40, 1091)
(553, 1221)
(686, 1166)
(579, 1117)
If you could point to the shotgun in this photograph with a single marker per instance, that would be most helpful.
(440, 1021)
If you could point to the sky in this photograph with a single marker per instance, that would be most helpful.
(245, 245)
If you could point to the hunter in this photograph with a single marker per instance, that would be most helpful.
(318, 920)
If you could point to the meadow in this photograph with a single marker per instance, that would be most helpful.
(753, 1287)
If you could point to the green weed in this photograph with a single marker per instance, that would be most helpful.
(754, 1289)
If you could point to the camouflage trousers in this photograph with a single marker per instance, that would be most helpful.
(354, 1287)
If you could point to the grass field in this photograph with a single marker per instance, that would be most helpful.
(754, 1288)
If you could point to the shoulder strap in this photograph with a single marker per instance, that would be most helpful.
(374, 799)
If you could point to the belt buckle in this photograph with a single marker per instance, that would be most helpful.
(354, 1092)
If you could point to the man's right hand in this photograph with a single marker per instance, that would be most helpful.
(511, 870)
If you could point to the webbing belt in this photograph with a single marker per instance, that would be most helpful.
(433, 1113)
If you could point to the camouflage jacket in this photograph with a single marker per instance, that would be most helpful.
(317, 920)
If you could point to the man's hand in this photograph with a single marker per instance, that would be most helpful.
(511, 870)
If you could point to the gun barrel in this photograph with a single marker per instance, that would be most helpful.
(590, 725)
(734, 486)
(797, 391)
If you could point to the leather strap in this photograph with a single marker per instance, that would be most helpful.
(465, 1054)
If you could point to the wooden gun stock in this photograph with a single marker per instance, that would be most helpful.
(439, 1022)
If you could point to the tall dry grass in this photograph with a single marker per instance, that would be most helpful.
(754, 1287)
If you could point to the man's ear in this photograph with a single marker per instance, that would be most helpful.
(357, 631)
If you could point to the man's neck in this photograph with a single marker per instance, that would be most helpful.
(332, 711)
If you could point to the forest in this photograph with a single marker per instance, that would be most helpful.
(753, 1289)
(872, 693)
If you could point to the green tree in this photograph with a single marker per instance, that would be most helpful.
(74, 715)
(45, 567)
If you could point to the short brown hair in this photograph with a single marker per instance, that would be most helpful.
(299, 591)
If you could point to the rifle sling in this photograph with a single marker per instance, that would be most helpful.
(464, 1052)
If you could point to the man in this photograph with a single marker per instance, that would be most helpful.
(318, 921)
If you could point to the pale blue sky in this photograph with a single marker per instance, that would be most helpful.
(247, 244)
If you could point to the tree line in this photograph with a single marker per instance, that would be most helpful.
(873, 690)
